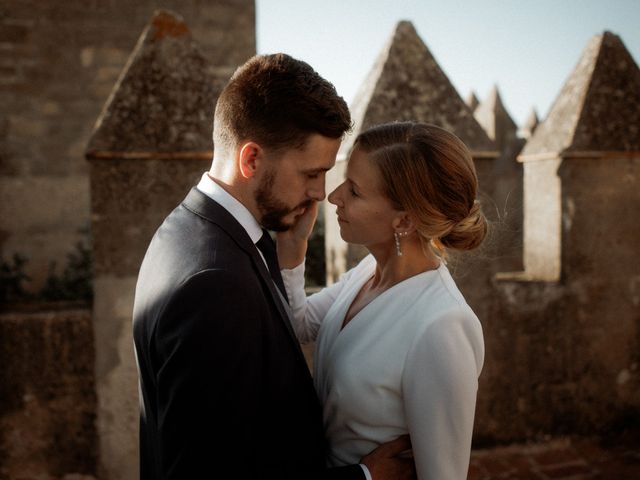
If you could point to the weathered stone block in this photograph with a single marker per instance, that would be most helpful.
(44, 218)
(116, 378)
(130, 198)
(47, 396)
(54, 81)
(11, 33)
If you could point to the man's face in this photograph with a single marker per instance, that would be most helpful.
(292, 182)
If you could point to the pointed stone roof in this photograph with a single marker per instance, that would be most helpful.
(532, 120)
(494, 118)
(530, 124)
(598, 108)
(472, 100)
(163, 102)
(406, 83)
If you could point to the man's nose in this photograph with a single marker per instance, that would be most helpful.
(317, 191)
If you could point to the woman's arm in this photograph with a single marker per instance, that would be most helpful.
(308, 312)
(440, 383)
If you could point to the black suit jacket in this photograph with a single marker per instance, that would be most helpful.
(225, 391)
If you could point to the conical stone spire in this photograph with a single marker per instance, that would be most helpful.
(406, 83)
(530, 124)
(494, 118)
(163, 101)
(472, 100)
(598, 108)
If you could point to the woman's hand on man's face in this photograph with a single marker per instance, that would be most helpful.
(292, 244)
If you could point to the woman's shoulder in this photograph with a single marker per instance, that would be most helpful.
(440, 302)
(443, 321)
(453, 295)
(448, 295)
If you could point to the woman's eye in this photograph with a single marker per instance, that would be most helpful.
(312, 176)
(353, 192)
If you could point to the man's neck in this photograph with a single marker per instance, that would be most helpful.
(237, 190)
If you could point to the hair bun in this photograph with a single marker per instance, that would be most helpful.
(468, 233)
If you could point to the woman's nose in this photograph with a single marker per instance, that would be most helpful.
(334, 197)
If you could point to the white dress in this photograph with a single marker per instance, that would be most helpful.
(408, 362)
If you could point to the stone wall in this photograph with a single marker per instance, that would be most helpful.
(47, 397)
(58, 64)
(543, 222)
(563, 356)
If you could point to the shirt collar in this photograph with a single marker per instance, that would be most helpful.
(231, 204)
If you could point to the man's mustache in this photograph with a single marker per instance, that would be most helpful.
(306, 204)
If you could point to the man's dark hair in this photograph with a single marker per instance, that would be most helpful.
(278, 101)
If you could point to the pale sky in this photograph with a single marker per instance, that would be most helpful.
(528, 48)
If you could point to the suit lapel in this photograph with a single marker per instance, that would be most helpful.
(205, 207)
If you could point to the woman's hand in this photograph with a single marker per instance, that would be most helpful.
(292, 244)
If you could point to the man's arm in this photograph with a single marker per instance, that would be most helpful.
(209, 345)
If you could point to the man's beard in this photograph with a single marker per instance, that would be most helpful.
(273, 210)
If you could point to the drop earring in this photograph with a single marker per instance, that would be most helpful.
(398, 249)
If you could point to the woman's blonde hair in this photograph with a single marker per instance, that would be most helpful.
(429, 173)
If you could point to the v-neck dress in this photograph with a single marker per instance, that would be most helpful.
(408, 362)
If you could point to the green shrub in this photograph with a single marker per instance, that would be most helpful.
(75, 281)
(12, 278)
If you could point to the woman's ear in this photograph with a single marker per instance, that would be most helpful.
(403, 224)
(249, 156)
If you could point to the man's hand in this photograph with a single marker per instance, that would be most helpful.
(292, 244)
(388, 462)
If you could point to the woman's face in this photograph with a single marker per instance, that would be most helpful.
(365, 214)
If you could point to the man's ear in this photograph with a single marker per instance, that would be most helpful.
(249, 156)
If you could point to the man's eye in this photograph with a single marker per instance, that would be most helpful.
(313, 176)
(353, 192)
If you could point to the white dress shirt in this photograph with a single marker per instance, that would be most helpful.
(408, 362)
(232, 205)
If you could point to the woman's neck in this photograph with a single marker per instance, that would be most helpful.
(392, 269)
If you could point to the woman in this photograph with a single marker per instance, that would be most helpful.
(398, 350)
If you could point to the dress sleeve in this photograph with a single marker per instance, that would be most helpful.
(439, 386)
(309, 312)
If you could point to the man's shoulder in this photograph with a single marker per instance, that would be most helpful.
(190, 228)
(186, 244)
(192, 258)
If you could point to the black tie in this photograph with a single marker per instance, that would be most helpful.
(268, 249)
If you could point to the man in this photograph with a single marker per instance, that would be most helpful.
(225, 391)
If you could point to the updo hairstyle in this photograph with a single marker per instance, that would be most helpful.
(429, 173)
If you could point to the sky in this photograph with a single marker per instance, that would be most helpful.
(527, 48)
